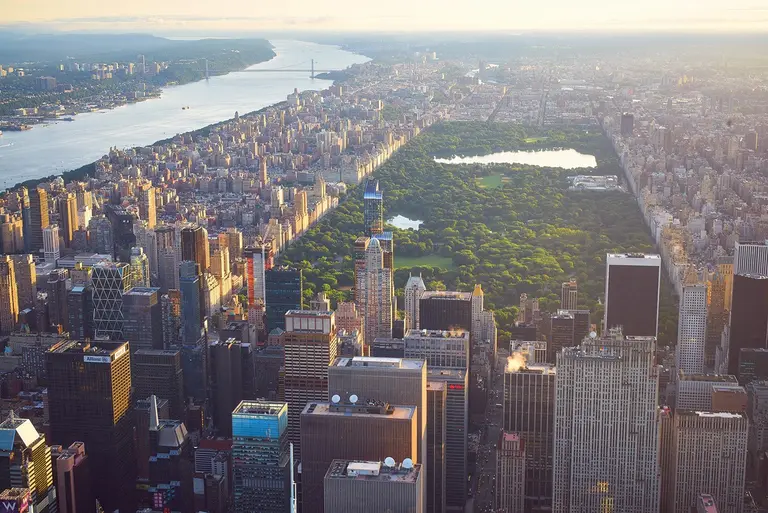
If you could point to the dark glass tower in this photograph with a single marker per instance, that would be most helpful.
(445, 310)
(373, 208)
(749, 317)
(632, 284)
(284, 291)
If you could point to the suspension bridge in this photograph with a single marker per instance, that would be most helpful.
(291, 68)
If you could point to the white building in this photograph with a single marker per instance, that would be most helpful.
(414, 289)
(51, 243)
(692, 329)
(751, 258)
(606, 427)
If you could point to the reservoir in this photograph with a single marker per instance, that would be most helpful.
(565, 158)
(57, 147)
(404, 223)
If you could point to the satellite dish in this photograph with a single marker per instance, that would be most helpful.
(389, 462)
(335, 399)
(407, 463)
(353, 399)
(592, 334)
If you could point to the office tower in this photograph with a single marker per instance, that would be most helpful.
(51, 251)
(510, 473)
(456, 428)
(259, 259)
(529, 411)
(232, 380)
(260, 456)
(11, 234)
(749, 316)
(632, 284)
(89, 400)
(9, 298)
(220, 268)
(709, 453)
(147, 209)
(388, 348)
(694, 391)
(25, 462)
(360, 429)
(378, 294)
(194, 366)
(191, 308)
(158, 372)
(284, 291)
(396, 381)
(57, 298)
(101, 238)
(140, 268)
(373, 208)
(562, 334)
(170, 304)
(211, 295)
(110, 281)
(26, 222)
(753, 366)
(80, 312)
(606, 451)
(414, 290)
(398, 328)
(445, 310)
(354, 486)
(234, 240)
(146, 240)
(194, 246)
(310, 346)
(569, 295)
(437, 397)
(67, 204)
(438, 348)
(750, 258)
(168, 270)
(142, 319)
(523, 331)
(123, 238)
(26, 280)
(627, 124)
(38, 220)
(73, 480)
(717, 314)
(360, 249)
(692, 329)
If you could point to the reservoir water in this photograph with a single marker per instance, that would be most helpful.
(564, 158)
(402, 222)
(58, 147)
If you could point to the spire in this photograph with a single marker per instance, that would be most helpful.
(478, 290)
(154, 422)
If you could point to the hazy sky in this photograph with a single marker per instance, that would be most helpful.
(158, 16)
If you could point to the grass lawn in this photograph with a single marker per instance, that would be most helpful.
(532, 140)
(493, 181)
(403, 262)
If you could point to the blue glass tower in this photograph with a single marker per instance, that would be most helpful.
(373, 208)
(284, 291)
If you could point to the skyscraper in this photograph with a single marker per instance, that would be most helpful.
(360, 249)
(311, 345)
(414, 290)
(67, 204)
(632, 284)
(25, 462)
(510, 473)
(378, 293)
(168, 270)
(142, 319)
(438, 348)
(260, 453)
(284, 288)
(147, 209)
(195, 246)
(89, 400)
(38, 219)
(437, 398)
(232, 380)
(627, 124)
(750, 258)
(749, 316)
(110, 281)
(607, 451)
(569, 295)
(158, 372)
(57, 298)
(694, 391)
(9, 302)
(529, 410)
(692, 329)
(445, 310)
(373, 208)
(80, 312)
(258, 261)
(191, 308)
(73, 480)
(354, 486)
(51, 251)
(140, 268)
(101, 238)
(562, 334)
(26, 280)
(123, 238)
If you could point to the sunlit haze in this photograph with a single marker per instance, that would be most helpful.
(177, 16)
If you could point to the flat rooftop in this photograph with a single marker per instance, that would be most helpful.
(157, 352)
(447, 294)
(646, 256)
(457, 333)
(435, 385)
(534, 368)
(446, 373)
(379, 362)
(260, 408)
(708, 378)
(709, 414)
(309, 313)
(317, 408)
(96, 348)
(142, 291)
(373, 471)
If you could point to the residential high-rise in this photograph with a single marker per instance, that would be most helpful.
(51, 251)
(510, 473)
(80, 312)
(396, 381)
(529, 411)
(191, 305)
(195, 246)
(373, 208)
(437, 398)
(89, 400)
(101, 239)
(480, 320)
(168, 270)
(378, 294)
(749, 316)
(57, 298)
(607, 451)
(142, 319)
(632, 284)
(259, 259)
(360, 249)
(360, 429)
(445, 310)
(232, 380)
(354, 486)
(67, 205)
(73, 480)
(692, 329)
(438, 348)
(456, 427)
(561, 334)
(709, 452)
(26, 280)
(260, 456)
(37, 220)
(284, 290)
(9, 298)
(569, 295)
(414, 290)
(25, 462)
(158, 372)
(110, 281)
(311, 344)
(147, 208)
(123, 237)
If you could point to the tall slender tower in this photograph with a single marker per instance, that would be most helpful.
(26, 280)
(477, 314)
(378, 294)
(414, 289)
(373, 208)
(51, 249)
(110, 281)
(195, 246)
(607, 430)
(569, 295)
(9, 297)
(692, 329)
(38, 219)
(749, 317)
(147, 209)
(67, 204)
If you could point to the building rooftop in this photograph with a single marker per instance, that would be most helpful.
(309, 313)
(447, 294)
(142, 291)
(157, 352)
(95, 348)
(709, 414)
(708, 378)
(534, 368)
(13, 426)
(406, 472)
(397, 412)
(435, 385)
(446, 372)
(457, 333)
(260, 408)
(379, 362)
(635, 255)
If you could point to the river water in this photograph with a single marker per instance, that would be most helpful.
(58, 147)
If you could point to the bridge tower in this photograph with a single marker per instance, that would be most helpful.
(207, 76)
(312, 75)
